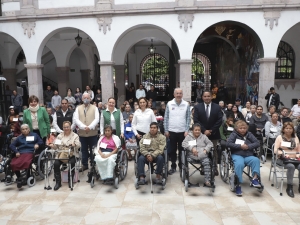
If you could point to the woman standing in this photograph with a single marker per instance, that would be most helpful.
(70, 98)
(288, 142)
(113, 117)
(142, 119)
(37, 118)
(78, 96)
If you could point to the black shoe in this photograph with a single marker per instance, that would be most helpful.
(216, 172)
(83, 168)
(57, 185)
(290, 191)
(19, 183)
(57, 177)
(171, 171)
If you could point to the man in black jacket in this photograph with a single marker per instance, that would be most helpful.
(152, 94)
(48, 93)
(272, 98)
(61, 115)
(209, 115)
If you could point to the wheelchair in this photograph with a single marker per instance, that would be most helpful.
(151, 170)
(185, 174)
(120, 170)
(227, 170)
(260, 136)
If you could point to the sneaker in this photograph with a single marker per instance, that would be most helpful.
(142, 181)
(158, 181)
(171, 171)
(255, 183)
(238, 191)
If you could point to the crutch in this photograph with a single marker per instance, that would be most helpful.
(151, 186)
(46, 171)
(70, 171)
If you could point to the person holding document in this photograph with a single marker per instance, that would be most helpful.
(241, 144)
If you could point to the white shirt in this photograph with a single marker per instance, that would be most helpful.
(140, 93)
(296, 110)
(112, 122)
(270, 99)
(81, 125)
(141, 120)
(56, 127)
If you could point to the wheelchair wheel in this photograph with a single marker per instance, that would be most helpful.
(116, 184)
(223, 167)
(186, 185)
(92, 182)
(164, 183)
(31, 181)
(44, 164)
(231, 182)
(123, 165)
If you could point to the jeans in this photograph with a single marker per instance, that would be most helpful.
(176, 140)
(240, 162)
(142, 160)
(87, 143)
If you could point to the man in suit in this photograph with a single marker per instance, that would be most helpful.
(209, 115)
(272, 98)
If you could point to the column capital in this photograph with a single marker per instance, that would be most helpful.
(185, 61)
(267, 60)
(106, 63)
(33, 66)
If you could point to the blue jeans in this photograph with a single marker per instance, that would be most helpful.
(48, 105)
(86, 143)
(240, 162)
(142, 160)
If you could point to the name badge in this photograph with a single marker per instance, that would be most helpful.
(239, 142)
(52, 130)
(15, 119)
(146, 141)
(230, 128)
(103, 145)
(57, 142)
(192, 143)
(286, 144)
(128, 129)
(273, 130)
(30, 138)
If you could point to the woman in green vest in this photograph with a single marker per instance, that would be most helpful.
(113, 117)
(37, 118)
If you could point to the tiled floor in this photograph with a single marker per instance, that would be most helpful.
(105, 205)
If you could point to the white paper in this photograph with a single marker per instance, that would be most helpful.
(57, 142)
(273, 129)
(239, 142)
(30, 138)
(230, 128)
(103, 145)
(128, 129)
(192, 143)
(286, 144)
(15, 119)
(52, 130)
(146, 141)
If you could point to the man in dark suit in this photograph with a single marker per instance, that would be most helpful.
(272, 98)
(209, 115)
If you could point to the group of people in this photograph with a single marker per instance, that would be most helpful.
(196, 128)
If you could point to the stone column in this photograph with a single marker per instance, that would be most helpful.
(35, 80)
(107, 82)
(10, 75)
(120, 83)
(266, 79)
(85, 78)
(177, 74)
(63, 80)
(185, 71)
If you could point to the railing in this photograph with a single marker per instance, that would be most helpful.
(50, 82)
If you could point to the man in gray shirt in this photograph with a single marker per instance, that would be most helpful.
(56, 100)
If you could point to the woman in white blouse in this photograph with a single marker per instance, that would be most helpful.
(273, 129)
(142, 118)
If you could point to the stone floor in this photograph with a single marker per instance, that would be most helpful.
(105, 205)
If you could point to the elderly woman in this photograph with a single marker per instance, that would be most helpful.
(106, 153)
(198, 145)
(288, 142)
(242, 143)
(113, 117)
(273, 129)
(64, 141)
(37, 118)
(24, 147)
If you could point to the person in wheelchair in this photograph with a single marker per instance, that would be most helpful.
(23, 148)
(198, 146)
(64, 141)
(108, 145)
(273, 129)
(242, 144)
(152, 148)
(288, 142)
